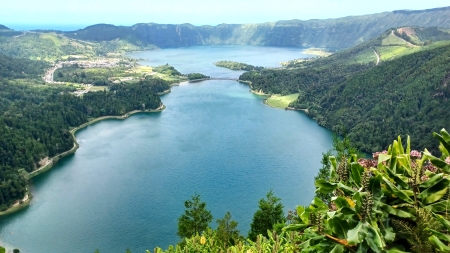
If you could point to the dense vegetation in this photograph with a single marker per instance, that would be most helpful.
(195, 76)
(21, 68)
(74, 74)
(411, 91)
(36, 120)
(288, 81)
(236, 65)
(363, 99)
(167, 70)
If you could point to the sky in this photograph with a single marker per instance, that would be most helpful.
(55, 14)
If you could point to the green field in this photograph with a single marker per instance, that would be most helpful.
(279, 101)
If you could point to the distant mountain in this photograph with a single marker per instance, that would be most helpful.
(2, 27)
(330, 33)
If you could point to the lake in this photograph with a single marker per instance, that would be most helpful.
(126, 185)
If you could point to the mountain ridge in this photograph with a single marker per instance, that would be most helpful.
(334, 33)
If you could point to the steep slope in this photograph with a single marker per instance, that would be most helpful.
(409, 95)
(331, 33)
(2, 27)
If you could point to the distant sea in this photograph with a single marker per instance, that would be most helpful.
(59, 27)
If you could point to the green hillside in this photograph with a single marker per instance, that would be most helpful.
(349, 93)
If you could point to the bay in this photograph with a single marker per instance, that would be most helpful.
(126, 184)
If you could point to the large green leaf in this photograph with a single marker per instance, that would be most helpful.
(397, 192)
(432, 181)
(383, 158)
(388, 234)
(396, 250)
(439, 207)
(355, 175)
(437, 162)
(338, 249)
(318, 203)
(375, 187)
(341, 202)
(435, 192)
(324, 186)
(404, 164)
(357, 234)
(358, 198)
(395, 211)
(397, 179)
(333, 164)
(443, 221)
(444, 138)
(346, 189)
(374, 239)
(339, 226)
(439, 235)
(295, 227)
(438, 244)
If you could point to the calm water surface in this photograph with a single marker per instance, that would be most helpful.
(125, 186)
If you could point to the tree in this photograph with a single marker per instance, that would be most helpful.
(270, 213)
(195, 218)
(227, 232)
(342, 148)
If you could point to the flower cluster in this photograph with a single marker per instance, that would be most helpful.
(367, 163)
(366, 207)
(342, 169)
(429, 166)
(415, 154)
(447, 160)
(424, 178)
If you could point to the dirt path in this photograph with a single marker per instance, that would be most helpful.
(378, 57)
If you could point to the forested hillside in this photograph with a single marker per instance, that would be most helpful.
(330, 33)
(409, 95)
(36, 119)
(21, 68)
(404, 96)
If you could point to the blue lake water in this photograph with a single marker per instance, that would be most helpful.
(126, 185)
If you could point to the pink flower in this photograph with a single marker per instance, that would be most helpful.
(415, 154)
(367, 163)
(430, 167)
(447, 160)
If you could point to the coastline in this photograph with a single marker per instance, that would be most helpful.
(18, 205)
(259, 93)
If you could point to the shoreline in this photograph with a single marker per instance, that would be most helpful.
(54, 160)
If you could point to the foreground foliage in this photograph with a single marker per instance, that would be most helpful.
(397, 202)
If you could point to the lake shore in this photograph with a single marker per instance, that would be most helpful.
(23, 203)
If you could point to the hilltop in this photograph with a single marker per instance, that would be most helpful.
(336, 33)
(104, 39)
